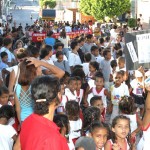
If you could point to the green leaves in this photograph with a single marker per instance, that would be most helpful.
(99, 9)
(132, 22)
(50, 3)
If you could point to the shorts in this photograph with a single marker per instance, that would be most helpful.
(139, 101)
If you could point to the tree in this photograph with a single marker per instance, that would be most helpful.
(85, 6)
(50, 3)
(105, 8)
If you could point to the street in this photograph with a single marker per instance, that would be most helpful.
(22, 9)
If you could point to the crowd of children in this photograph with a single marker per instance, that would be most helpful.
(103, 106)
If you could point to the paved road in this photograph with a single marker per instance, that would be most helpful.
(24, 8)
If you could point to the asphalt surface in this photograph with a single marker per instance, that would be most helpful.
(22, 10)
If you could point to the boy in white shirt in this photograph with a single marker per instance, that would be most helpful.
(95, 53)
(70, 91)
(58, 47)
(7, 45)
(74, 58)
(4, 59)
(7, 133)
(87, 58)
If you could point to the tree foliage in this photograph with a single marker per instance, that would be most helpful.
(132, 22)
(102, 8)
(50, 3)
(85, 6)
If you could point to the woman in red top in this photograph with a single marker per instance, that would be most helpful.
(38, 131)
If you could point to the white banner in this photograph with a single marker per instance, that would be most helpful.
(143, 44)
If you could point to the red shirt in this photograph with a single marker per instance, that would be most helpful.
(39, 133)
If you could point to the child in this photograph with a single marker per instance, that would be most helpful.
(127, 108)
(120, 134)
(61, 63)
(7, 133)
(62, 122)
(93, 67)
(79, 92)
(64, 100)
(58, 47)
(70, 90)
(121, 64)
(97, 56)
(99, 132)
(87, 58)
(73, 110)
(4, 100)
(66, 78)
(113, 65)
(96, 101)
(90, 115)
(74, 58)
(45, 55)
(4, 60)
(105, 67)
(137, 87)
(85, 143)
(4, 96)
(117, 91)
(99, 90)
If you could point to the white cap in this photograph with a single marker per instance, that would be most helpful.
(147, 74)
(138, 74)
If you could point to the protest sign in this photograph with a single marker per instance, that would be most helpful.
(38, 37)
(137, 49)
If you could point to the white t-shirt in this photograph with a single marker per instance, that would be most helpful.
(10, 55)
(146, 138)
(80, 96)
(117, 93)
(113, 33)
(3, 65)
(62, 105)
(68, 29)
(74, 59)
(86, 68)
(71, 97)
(11, 121)
(118, 69)
(135, 86)
(133, 122)
(6, 134)
(65, 41)
(74, 126)
(53, 58)
(99, 58)
(48, 61)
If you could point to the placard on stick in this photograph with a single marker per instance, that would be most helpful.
(137, 50)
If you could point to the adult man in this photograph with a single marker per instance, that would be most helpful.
(38, 131)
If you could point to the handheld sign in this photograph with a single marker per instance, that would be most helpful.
(137, 49)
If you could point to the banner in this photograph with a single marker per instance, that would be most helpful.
(73, 34)
(137, 49)
(143, 44)
(38, 37)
